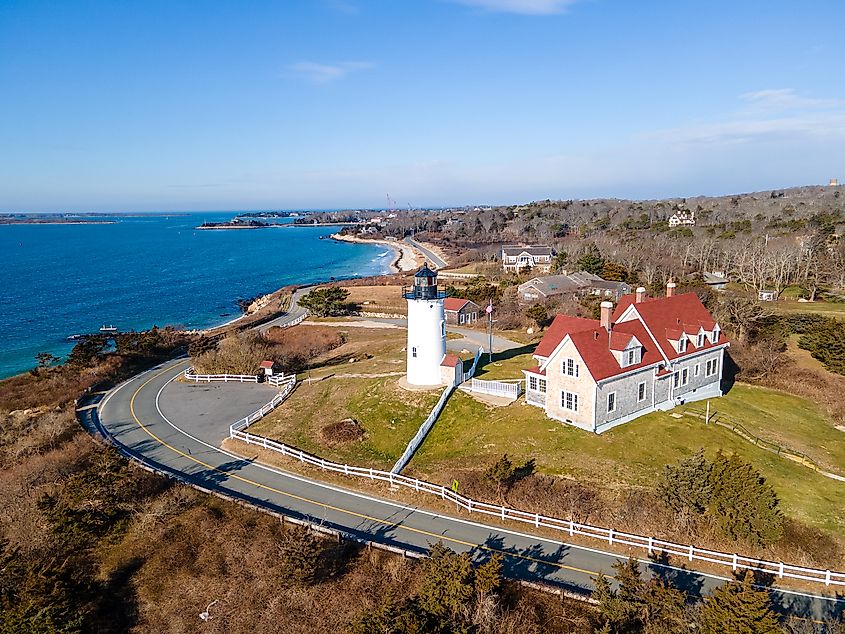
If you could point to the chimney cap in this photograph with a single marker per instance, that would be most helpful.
(640, 289)
(671, 284)
(607, 304)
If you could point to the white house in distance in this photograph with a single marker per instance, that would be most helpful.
(537, 258)
(649, 354)
(428, 365)
(682, 218)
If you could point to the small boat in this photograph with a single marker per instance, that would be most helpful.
(105, 328)
(74, 337)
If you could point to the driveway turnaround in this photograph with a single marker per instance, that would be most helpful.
(152, 420)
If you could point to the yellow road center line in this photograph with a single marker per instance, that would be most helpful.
(395, 525)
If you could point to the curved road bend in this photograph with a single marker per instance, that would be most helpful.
(184, 446)
(295, 310)
(436, 261)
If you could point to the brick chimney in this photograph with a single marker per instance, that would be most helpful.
(640, 294)
(670, 288)
(606, 311)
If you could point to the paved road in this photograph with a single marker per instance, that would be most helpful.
(295, 311)
(436, 261)
(186, 445)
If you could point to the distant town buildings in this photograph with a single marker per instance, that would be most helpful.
(648, 354)
(579, 283)
(515, 258)
(834, 182)
(682, 218)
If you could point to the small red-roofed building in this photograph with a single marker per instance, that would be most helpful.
(268, 367)
(460, 311)
(452, 370)
(648, 354)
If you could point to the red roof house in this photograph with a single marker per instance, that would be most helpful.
(647, 354)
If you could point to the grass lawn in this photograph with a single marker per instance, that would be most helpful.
(504, 366)
(788, 421)
(828, 309)
(379, 299)
(470, 435)
(389, 415)
(384, 346)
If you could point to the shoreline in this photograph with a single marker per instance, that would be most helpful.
(406, 256)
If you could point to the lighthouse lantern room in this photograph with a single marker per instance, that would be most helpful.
(426, 329)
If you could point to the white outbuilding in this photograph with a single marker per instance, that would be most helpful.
(426, 329)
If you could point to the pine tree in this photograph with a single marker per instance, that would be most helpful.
(687, 485)
(447, 586)
(743, 504)
(738, 608)
(488, 576)
(300, 554)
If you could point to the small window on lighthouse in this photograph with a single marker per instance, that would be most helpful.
(442, 328)
(414, 352)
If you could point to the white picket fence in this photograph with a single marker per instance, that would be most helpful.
(260, 413)
(422, 432)
(469, 373)
(496, 388)
(224, 378)
(280, 379)
(610, 536)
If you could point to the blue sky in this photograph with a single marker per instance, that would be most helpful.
(170, 105)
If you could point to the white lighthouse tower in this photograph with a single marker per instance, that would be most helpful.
(426, 329)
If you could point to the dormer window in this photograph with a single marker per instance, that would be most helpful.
(715, 335)
(700, 342)
(632, 355)
(682, 344)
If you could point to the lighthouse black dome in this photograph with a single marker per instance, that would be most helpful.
(425, 285)
(425, 272)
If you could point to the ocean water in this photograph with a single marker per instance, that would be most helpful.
(60, 280)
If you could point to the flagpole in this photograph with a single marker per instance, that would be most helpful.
(490, 332)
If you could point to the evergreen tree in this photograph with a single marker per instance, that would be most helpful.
(743, 504)
(538, 314)
(687, 485)
(591, 261)
(448, 583)
(652, 607)
(501, 473)
(300, 554)
(738, 608)
(326, 302)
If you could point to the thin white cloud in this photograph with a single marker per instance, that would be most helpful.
(771, 113)
(318, 73)
(786, 99)
(523, 7)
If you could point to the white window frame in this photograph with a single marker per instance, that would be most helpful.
(700, 340)
(532, 383)
(611, 402)
(641, 391)
(682, 344)
(541, 386)
(569, 401)
(632, 357)
(565, 367)
(414, 352)
(684, 376)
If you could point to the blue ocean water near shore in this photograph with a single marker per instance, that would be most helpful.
(59, 280)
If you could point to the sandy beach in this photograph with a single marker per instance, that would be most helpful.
(406, 256)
